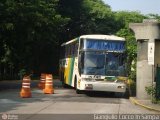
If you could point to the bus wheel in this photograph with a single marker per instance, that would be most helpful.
(75, 86)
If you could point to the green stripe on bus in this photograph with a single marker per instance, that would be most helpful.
(71, 71)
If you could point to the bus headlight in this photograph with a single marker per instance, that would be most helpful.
(121, 87)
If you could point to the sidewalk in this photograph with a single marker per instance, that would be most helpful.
(146, 104)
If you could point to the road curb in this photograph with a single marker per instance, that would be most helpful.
(134, 101)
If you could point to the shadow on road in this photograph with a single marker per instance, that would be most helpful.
(106, 94)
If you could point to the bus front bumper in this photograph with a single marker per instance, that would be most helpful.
(102, 86)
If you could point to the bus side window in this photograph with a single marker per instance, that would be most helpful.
(69, 51)
(76, 49)
(81, 44)
(72, 50)
(66, 51)
(81, 63)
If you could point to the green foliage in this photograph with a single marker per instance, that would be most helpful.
(151, 90)
(153, 16)
(98, 15)
(27, 29)
(21, 73)
(125, 18)
(131, 50)
(86, 17)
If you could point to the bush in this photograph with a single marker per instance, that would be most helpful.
(151, 90)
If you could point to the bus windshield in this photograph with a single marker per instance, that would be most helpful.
(93, 63)
(101, 63)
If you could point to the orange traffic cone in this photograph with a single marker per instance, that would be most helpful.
(41, 84)
(48, 84)
(25, 91)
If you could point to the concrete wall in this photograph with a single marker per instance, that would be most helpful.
(148, 31)
(144, 75)
(144, 71)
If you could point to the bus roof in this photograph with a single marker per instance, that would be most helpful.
(104, 37)
(71, 41)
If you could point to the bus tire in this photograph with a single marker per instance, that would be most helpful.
(79, 91)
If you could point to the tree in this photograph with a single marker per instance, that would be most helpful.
(124, 18)
(154, 16)
(29, 31)
(86, 17)
(100, 19)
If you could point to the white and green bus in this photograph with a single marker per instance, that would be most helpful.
(94, 63)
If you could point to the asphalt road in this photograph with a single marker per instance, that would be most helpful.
(65, 104)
